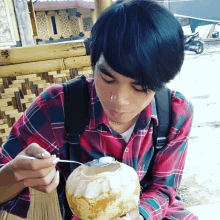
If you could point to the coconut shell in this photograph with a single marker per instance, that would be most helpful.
(103, 193)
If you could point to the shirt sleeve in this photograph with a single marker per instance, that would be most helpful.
(33, 126)
(159, 199)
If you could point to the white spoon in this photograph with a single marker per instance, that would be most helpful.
(101, 162)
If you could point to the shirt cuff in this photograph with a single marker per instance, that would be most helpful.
(143, 213)
(19, 205)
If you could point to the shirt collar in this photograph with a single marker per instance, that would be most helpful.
(98, 116)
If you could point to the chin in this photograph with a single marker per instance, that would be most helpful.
(121, 120)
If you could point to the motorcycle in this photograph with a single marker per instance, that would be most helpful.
(193, 43)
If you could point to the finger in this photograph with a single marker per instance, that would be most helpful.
(45, 181)
(22, 162)
(53, 185)
(140, 217)
(29, 174)
(36, 150)
(126, 218)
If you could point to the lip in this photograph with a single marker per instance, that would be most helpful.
(116, 114)
(119, 112)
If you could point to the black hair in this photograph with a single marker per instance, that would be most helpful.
(139, 39)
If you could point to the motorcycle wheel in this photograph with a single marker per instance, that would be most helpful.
(200, 47)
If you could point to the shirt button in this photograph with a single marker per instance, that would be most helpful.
(126, 150)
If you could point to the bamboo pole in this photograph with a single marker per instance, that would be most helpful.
(105, 4)
(42, 52)
(101, 5)
(33, 17)
(44, 66)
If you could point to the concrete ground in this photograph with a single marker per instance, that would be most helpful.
(199, 81)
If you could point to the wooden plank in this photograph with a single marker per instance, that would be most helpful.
(6, 96)
(85, 72)
(24, 22)
(30, 96)
(34, 78)
(11, 112)
(3, 126)
(11, 90)
(5, 101)
(59, 75)
(3, 140)
(16, 115)
(17, 81)
(52, 73)
(77, 62)
(4, 135)
(29, 92)
(26, 76)
(44, 66)
(7, 108)
(27, 100)
(87, 68)
(4, 104)
(38, 81)
(42, 52)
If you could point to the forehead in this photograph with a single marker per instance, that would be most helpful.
(102, 61)
(106, 69)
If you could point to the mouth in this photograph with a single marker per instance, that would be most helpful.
(116, 114)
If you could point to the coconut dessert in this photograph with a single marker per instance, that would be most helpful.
(97, 193)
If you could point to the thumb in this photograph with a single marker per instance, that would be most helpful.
(37, 151)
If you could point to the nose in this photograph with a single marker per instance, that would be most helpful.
(121, 96)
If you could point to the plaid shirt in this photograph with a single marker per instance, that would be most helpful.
(43, 123)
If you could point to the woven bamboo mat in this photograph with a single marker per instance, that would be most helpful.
(43, 207)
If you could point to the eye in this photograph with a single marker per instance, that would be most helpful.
(139, 88)
(107, 79)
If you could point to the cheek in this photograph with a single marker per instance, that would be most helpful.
(102, 89)
(142, 102)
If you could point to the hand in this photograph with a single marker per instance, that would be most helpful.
(132, 215)
(39, 174)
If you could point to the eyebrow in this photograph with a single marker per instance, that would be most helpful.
(103, 69)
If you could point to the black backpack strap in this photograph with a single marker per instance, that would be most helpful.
(76, 101)
(164, 113)
(76, 95)
(160, 132)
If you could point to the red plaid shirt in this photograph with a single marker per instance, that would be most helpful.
(43, 123)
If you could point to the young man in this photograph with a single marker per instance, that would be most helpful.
(136, 48)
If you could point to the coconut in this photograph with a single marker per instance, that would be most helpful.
(103, 192)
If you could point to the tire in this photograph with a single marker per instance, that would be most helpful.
(200, 47)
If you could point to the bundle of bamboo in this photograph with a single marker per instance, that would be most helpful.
(43, 207)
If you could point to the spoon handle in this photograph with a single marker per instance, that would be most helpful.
(67, 161)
